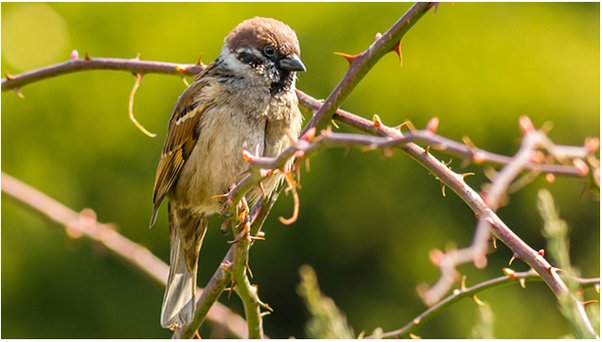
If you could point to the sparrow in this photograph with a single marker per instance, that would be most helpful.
(243, 100)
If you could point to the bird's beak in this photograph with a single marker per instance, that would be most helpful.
(292, 63)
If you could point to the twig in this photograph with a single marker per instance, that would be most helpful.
(224, 274)
(85, 223)
(456, 182)
(82, 64)
(498, 187)
(360, 64)
(131, 107)
(517, 277)
(437, 142)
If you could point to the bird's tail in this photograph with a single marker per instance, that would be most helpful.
(187, 231)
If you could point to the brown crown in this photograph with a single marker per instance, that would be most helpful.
(258, 32)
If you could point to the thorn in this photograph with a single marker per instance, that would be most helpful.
(526, 125)
(414, 337)
(591, 301)
(427, 150)
(468, 142)
(456, 292)
(361, 335)
(464, 175)
(435, 7)
(185, 82)
(407, 124)
(244, 233)
(463, 283)
(509, 272)
(334, 123)
(199, 60)
(87, 56)
(377, 36)
(494, 242)
(523, 283)
(307, 165)
(397, 49)
(247, 156)
(259, 236)
(249, 270)
(514, 256)
(299, 154)
(131, 107)
(9, 76)
(546, 127)
(350, 58)
(477, 300)
(376, 121)
(137, 58)
(74, 55)
(581, 166)
(541, 252)
(416, 321)
(19, 93)
(266, 306)
(597, 288)
(432, 125)
(292, 186)
(182, 68)
(550, 178)
(265, 313)
(443, 189)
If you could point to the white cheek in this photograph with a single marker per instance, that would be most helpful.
(231, 62)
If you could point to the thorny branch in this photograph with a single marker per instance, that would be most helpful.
(406, 141)
(493, 196)
(86, 224)
(464, 292)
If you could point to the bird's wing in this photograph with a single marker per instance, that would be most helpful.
(182, 135)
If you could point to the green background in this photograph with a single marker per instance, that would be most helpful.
(367, 222)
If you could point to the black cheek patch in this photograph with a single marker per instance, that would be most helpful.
(249, 58)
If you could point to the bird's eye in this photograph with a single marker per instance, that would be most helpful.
(269, 51)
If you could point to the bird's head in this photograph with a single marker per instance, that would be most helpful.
(266, 48)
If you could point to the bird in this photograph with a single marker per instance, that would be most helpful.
(244, 100)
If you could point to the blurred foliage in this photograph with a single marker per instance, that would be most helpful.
(326, 320)
(556, 232)
(484, 327)
(367, 222)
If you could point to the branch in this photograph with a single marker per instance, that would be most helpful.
(463, 292)
(15, 82)
(493, 196)
(474, 154)
(474, 201)
(85, 224)
(224, 275)
(360, 64)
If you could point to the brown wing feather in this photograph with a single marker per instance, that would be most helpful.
(182, 134)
